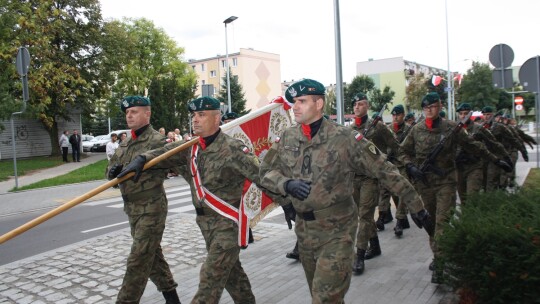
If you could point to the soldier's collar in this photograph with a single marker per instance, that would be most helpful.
(208, 140)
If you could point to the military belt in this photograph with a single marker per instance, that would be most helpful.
(143, 195)
(320, 214)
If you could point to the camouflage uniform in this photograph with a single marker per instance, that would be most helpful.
(508, 178)
(366, 192)
(145, 204)
(440, 195)
(511, 144)
(327, 219)
(223, 167)
(470, 167)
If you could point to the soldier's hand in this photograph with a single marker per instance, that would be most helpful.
(136, 165)
(508, 160)
(290, 214)
(525, 155)
(503, 165)
(416, 173)
(298, 188)
(114, 171)
(423, 219)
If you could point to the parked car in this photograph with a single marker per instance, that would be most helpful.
(86, 137)
(101, 144)
(87, 145)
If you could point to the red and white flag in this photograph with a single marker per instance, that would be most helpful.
(258, 130)
(458, 78)
(436, 80)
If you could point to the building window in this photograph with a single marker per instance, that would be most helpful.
(213, 73)
(234, 62)
(193, 67)
(223, 63)
(203, 82)
(203, 68)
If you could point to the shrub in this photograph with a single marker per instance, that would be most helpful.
(491, 249)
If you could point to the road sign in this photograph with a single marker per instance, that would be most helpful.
(518, 100)
(501, 56)
(499, 81)
(23, 61)
(529, 74)
(519, 107)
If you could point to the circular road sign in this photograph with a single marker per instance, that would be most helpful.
(519, 107)
(501, 56)
(23, 61)
(518, 100)
(529, 74)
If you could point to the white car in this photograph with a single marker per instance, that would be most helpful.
(88, 144)
(100, 145)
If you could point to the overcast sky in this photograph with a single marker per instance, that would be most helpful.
(302, 31)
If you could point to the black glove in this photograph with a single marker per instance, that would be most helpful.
(290, 214)
(298, 188)
(423, 219)
(503, 165)
(525, 155)
(415, 173)
(136, 165)
(114, 171)
(508, 160)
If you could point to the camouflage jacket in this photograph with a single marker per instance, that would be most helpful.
(329, 161)
(137, 195)
(479, 133)
(223, 167)
(520, 140)
(421, 141)
(506, 137)
(402, 132)
(380, 135)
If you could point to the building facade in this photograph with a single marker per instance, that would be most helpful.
(258, 72)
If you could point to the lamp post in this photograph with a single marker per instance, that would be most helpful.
(227, 21)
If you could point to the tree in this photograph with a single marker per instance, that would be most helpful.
(361, 83)
(238, 101)
(330, 102)
(377, 98)
(528, 102)
(63, 40)
(477, 87)
(415, 91)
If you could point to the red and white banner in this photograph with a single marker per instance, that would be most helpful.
(258, 130)
(436, 80)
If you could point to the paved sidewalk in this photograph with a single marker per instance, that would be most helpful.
(39, 175)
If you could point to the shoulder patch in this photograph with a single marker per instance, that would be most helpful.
(372, 148)
(358, 136)
(277, 139)
(245, 149)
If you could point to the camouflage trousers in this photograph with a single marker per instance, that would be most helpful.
(384, 203)
(469, 180)
(326, 248)
(508, 178)
(493, 176)
(366, 196)
(222, 268)
(439, 199)
(146, 259)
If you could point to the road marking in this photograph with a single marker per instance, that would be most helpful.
(104, 227)
(119, 198)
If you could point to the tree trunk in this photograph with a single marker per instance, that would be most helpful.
(53, 135)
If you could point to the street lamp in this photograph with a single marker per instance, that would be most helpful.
(227, 21)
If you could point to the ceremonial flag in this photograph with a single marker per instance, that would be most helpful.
(258, 130)
(458, 78)
(436, 80)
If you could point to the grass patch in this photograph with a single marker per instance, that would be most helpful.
(24, 166)
(92, 172)
(533, 179)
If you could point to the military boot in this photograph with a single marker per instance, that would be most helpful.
(398, 230)
(380, 221)
(358, 266)
(388, 217)
(171, 297)
(374, 248)
(405, 224)
(294, 254)
(250, 238)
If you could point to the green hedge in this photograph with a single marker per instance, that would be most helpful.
(491, 248)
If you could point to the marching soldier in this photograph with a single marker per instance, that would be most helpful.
(410, 119)
(313, 163)
(367, 190)
(469, 167)
(216, 169)
(510, 143)
(438, 186)
(145, 204)
(523, 139)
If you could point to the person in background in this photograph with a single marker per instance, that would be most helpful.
(162, 131)
(177, 135)
(171, 137)
(64, 145)
(123, 137)
(111, 146)
(75, 141)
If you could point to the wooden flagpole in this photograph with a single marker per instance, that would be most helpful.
(74, 202)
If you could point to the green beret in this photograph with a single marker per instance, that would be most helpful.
(464, 107)
(488, 109)
(500, 113)
(442, 114)
(430, 98)
(409, 116)
(203, 104)
(358, 97)
(134, 101)
(399, 109)
(304, 87)
(230, 115)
